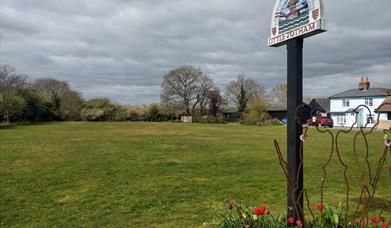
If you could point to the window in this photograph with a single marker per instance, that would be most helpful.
(370, 119)
(369, 102)
(341, 119)
(345, 103)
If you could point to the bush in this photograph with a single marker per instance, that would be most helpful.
(256, 113)
(219, 119)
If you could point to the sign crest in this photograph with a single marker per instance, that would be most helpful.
(295, 18)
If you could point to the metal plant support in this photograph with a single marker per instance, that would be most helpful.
(360, 213)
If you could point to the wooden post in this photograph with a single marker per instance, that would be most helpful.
(295, 98)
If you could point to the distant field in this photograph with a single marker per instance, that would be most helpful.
(157, 174)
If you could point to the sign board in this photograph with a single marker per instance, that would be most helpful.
(295, 18)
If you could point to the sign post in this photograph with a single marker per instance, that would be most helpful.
(292, 21)
(294, 128)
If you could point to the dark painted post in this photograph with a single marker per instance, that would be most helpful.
(295, 98)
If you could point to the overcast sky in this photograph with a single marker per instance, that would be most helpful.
(122, 48)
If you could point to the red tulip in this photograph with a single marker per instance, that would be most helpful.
(374, 219)
(260, 210)
(319, 207)
(384, 226)
(291, 220)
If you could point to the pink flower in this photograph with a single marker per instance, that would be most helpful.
(229, 205)
(298, 223)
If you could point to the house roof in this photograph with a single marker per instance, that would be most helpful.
(276, 107)
(231, 110)
(372, 92)
(385, 106)
(324, 103)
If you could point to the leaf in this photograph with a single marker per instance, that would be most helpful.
(336, 220)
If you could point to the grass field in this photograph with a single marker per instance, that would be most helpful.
(158, 174)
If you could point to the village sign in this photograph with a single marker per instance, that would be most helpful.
(295, 18)
(292, 21)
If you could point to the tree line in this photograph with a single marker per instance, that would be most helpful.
(190, 91)
(186, 91)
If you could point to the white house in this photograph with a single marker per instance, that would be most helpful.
(348, 107)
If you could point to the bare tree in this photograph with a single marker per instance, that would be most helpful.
(279, 95)
(9, 80)
(206, 86)
(52, 88)
(186, 88)
(244, 90)
(215, 101)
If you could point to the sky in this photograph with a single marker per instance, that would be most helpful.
(121, 49)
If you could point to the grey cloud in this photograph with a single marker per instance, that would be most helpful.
(121, 49)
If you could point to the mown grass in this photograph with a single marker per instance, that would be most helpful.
(159, 174)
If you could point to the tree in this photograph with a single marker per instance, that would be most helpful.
(98, 110)
(185, 88)
(36, 109)
(10, 84)
(215, 101)
(256, 112)
(71, 105)
(242, 100)
(50, 87)
(66, 103)
(205, 87)
(244, 90)
(279, 95)
(153, 113)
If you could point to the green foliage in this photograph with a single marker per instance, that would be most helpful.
(208, 119)
(238, 216)
(153, 113)
(242, 101)
(36, 109)
(256, 113)
(71, 105)
(11, 106)
(98, 110)
(43, 100)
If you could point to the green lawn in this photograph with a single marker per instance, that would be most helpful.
(158, 174)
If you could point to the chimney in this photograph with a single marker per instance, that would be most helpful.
(364, 84)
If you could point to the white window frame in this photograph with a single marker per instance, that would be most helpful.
(370, 119)
(369, 102)
(341, 119)
(345, 102)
